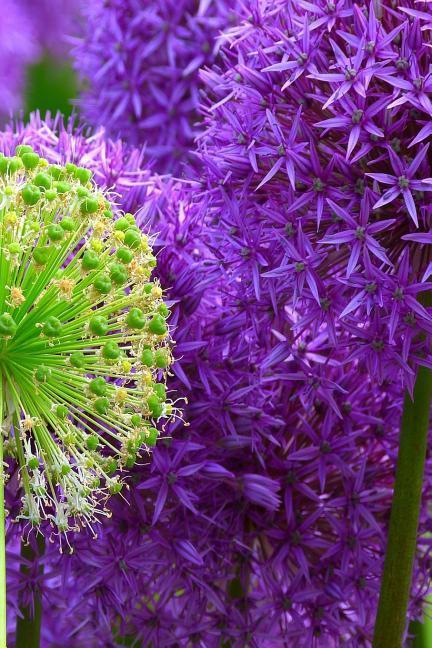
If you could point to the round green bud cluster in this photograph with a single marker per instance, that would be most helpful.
(84, 339)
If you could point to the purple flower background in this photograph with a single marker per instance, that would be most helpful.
(293, 250)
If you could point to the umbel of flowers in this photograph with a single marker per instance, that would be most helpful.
(84, 340)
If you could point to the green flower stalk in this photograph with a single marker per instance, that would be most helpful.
(84, 343)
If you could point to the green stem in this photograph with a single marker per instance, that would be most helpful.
(28, 625)
(3, 617)
(402, 537)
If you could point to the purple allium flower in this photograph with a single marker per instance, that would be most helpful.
(140, 60)
(27, 29)
(18, 47)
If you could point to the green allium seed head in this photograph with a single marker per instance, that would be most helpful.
(83, 340)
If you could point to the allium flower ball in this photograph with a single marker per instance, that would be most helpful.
(140, 59)
(18, 48)
(84, 341)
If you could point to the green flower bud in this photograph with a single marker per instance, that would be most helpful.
(98, 325)
(160, 391)
(118, 274)
(103, 284)
(89, 205)
(90, 260)
(41, 255)
(61, 411)
(78, 360)
(162, 358)
(147, 358)
(157, 325)
(30, 160)
(55, 232)
(42, 180)
(111, 350)
(121, 225)
(155, 406)
(124, 255)
(102, 405)
(23, 148)
(135, 318)
(132, 239)
(83, 175)
(43, 374)
(30, 194)
(52, 327)
(8, 326)
(92, 442)
(62, 187)
(152, 435)
(98, 386)
(67, 224)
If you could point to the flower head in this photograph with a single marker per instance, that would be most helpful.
(84, 343)
(141, 61)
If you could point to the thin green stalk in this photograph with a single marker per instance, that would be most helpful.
(28, 626)
(2, 535)
(402, 538)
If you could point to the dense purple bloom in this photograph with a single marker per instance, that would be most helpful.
(18, 47)
(140, 60)
(262, 522)
(27, 30)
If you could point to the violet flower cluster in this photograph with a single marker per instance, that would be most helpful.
(140, 61)
(294, 267)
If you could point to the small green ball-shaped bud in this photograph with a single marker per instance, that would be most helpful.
(98, 386)
(118, 274)
(78, 360)
(23, 148)
(30, 160)
(42, 180)
(89, 205)
(50, 195)
(155, 406)
(136, 420)
(52, 327)
(15, 164)
(147, 358)
(30, 194)
(92, 442)
(62, 187)
(14, 248)
(42, 374)
(67, 224)
(135, 319)
(148, 288)
(152, 435)
(70, 168)
(98, 325)
(107, 213)
(163, 309)
(55, 232)
(8, 326)
(111, 350)
(130, 219)
(121, 225)
(83, 175)
(160, 390)
(4, 164)
(132, 239)
(110, 466)
(157, 325)
(115, 487)
(162, 358)
(90, 260)
(102, 405)
(124, 255)
(41, 255)
(61, 411)
(82, 192)
(65, 470)
(103, 284)
(33, 463)
(56, 171)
